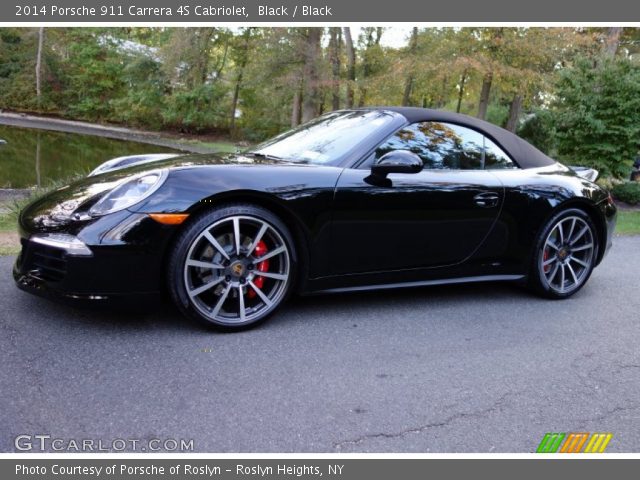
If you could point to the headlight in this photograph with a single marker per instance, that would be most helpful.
(130, 192)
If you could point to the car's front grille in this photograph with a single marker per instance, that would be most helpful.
(42, 261)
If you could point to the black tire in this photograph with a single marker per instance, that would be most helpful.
(569, 276)
(209, 270)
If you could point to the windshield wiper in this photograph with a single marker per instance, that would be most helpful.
(264, 155)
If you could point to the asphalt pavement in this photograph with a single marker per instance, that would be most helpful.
(463, 368)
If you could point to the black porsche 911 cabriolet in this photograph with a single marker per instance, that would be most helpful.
(356, 199)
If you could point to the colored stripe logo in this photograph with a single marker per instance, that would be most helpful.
(574, 442)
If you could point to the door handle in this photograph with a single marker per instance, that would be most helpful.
(486, 200)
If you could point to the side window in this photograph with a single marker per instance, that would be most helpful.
(439, 145)
(494, 157)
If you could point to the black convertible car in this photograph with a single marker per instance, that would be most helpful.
(356, 199)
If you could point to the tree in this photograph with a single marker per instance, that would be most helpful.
(369, 61)
(296, 105)
(612, 41)
(408, 83)
(487, 80)
(242, 57)
(598, 114)
(514, 112)
(463, 80)
(351, 66)
(335, 40)
(311, 82)
(93, 73)
(187, 55)
(255, 82)
(39, 65)
(492, 41)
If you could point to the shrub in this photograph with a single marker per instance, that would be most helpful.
(597, 114)
(537, 129)
(200, 109)
(628, 192)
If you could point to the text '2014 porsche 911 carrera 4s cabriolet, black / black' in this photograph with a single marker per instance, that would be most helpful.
(356, 199)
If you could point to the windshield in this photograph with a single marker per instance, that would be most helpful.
(328, 139)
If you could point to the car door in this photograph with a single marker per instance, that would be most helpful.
(433, 218)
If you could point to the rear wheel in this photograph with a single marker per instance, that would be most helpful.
(565, 255)
(232, 267)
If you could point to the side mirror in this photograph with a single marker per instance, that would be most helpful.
(398, 161)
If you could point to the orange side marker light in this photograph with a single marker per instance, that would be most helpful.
(169, 218)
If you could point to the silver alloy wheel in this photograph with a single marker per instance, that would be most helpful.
(237, 270)
(567, 255)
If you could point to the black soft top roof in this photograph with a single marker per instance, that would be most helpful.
(525, 154)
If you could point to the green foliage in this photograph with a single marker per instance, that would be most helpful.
(94, 74)
(190, 80)
(143, 102)
(598, 114)
(195, 110)
(497, 114)
(17, 68)
(538, 130)
(628, 192)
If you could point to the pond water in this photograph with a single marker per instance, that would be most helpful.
(34, 157)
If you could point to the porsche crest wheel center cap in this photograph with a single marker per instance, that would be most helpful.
(237, 269)
(563, 253)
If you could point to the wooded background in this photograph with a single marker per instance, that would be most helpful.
(573, 92)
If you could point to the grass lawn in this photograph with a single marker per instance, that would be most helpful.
(628, 222)
(219, 146)
(10, 250)
(8, 236)
(7, 222)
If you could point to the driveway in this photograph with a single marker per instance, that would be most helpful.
(475, 368)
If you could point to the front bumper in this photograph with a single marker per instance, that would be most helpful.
(610, 213)
(116, 268)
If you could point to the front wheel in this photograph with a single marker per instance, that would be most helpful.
(232, 267)
(565, 254)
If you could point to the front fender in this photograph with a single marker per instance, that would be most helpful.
(301, 195)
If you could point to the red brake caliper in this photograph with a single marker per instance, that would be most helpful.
(263, 266)
(545, 257)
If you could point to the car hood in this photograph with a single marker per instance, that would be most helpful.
(70, 203)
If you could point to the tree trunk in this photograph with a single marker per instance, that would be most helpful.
(351, 66)
(408, 84)
(484, 95)
(379, 31)
(612, 41)
(408, 87)
(442, 100)
(222, 63)
(236, 90)
(295, 107)
(311, 98)
(514, 112)
(39, 65)
(366, 67)
(202, 39)
(463, 80)
(234, 102)
(321, 108)
(334, 59)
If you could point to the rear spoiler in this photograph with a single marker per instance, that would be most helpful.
(587, 173)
